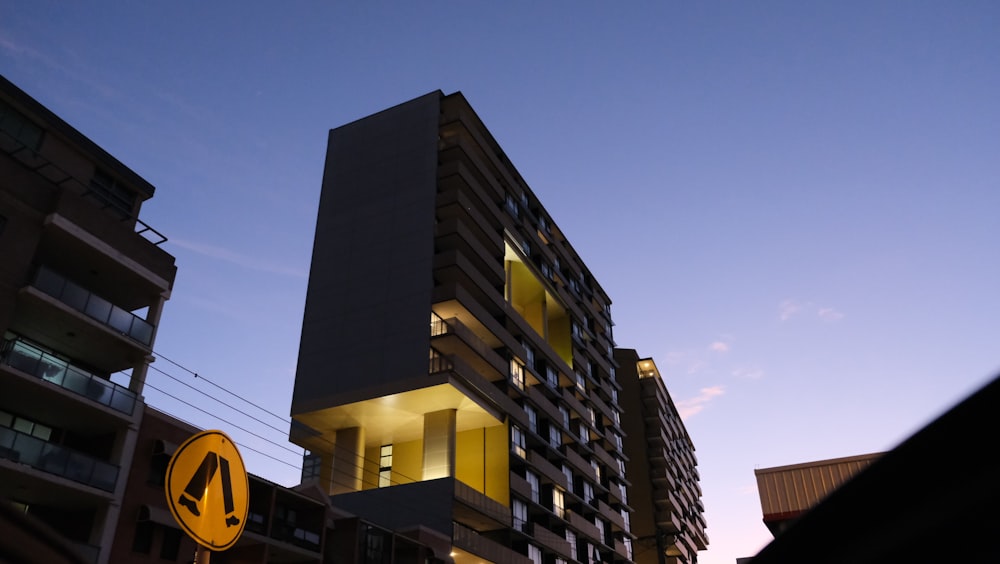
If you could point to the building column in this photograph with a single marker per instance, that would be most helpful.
(439, 444)
(348, 461)
(138, 380)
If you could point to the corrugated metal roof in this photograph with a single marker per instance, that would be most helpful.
(789, 490)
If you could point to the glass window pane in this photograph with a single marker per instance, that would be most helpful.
(121, 320)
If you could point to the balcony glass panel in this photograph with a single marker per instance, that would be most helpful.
(98, 308)
(32, 360)
(93, 306)
(57, 460)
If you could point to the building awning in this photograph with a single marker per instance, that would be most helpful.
(159, 515)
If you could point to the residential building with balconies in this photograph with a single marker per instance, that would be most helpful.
(669, 517)
(83, 282)
(456, 366)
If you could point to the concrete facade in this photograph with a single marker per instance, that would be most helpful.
(456, 365)
(668, 517)
(82, 284)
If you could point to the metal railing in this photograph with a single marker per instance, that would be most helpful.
(92, 305)
(34, 361)
(58, 460)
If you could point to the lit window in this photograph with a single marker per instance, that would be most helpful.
(581, 382)
(517, 374)
(571, 539)
(385, 466)
(517, 441)
(558, 506)
(512, 206)
(534, 554)
(519, 510)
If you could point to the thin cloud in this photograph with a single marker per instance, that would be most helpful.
(788, 308)
(829, 314)
(719, 347)
(223, 254)
(748, 373)
(692, 406)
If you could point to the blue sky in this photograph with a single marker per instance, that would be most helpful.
(791, 204)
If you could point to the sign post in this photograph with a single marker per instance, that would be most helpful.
(207, 491)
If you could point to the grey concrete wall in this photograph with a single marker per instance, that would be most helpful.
(366, 321)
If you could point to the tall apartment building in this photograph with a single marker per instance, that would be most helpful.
(82, 285)
(668, 518)
(456, 366)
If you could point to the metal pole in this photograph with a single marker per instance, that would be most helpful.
(201, 555)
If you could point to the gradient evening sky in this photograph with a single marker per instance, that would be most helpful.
(793, 205)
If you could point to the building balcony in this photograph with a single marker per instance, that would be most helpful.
(470, 541)
(97, 308)
(57, 460)
(33, 361)
(452, 337)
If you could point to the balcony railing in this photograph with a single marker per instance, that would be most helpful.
(34, 361)
(58, 460)
(94, 306)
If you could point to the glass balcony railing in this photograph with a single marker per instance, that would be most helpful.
(58, 460)
(32, 360)
(94, 306)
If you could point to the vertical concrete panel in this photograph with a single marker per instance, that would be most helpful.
(439, 444)
(370, 280)
(348, 460)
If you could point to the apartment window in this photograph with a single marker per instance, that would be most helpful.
(517, 373)
(597, 469)
(552, 376)
(571, 539)
(529, 355)
(377, 547)
(534, 554)
(584, 433)
(569, 475)
(592, 415)
(621, 466)
(546, 270)
(512, 207)
(588, 492)
(581, 382)
(565, 415)
(555, 436)
(517, 442)
(311, 466)
(558, 505)
(519, 510)
(385, 466)
(532, 418)
(532, 480)
(25, 426)
(112, 193)
(18, 126)
(614, 391)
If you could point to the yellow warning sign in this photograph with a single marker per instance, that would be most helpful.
(208, 490)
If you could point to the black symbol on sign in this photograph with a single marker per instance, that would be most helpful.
(198, 485)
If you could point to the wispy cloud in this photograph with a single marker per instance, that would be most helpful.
(748, 373)
(829, 314)
(788, 309)
(692, 406)
(226, 255)
(719, 347)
